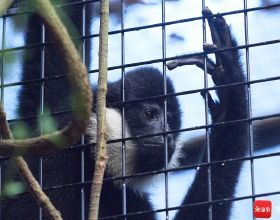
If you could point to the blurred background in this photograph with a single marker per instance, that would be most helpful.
(183, 36)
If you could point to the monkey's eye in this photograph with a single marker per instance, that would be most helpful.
(150, 114)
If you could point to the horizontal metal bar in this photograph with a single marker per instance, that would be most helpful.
(269, 79)
(45, 79)
(86, 146)
(206, 203)
(143, 27)
(213, 163)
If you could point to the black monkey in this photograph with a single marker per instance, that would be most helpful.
(142, 117)
(65, 167)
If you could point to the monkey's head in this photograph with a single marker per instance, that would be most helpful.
(145, 117)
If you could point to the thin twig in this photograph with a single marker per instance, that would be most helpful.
(40, 197)
(81, 94)
(101, 158)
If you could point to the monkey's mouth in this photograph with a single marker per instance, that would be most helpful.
(151, 156)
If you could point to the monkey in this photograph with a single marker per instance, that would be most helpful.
(61, 173)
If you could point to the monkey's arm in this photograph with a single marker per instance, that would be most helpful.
(226, 141)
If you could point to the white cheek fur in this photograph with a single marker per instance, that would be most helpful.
(114, 131)
(114, 165)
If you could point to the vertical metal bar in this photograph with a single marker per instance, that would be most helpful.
(42, 91)
(251, 145)
(2, 92)
(82, 180)
(2, 61)
(124, 199)
(165, 107)
(83, 54)
(209, 176)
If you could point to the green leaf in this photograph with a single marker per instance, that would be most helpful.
(12, 189)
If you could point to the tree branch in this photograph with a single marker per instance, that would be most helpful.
(101, 158)
(4, 5)
(81, 94)
(41, 198)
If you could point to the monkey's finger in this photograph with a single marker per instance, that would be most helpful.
(225, 57)
(214, 28)
(218, 73)
(196, 60)
(214, 107)
(224, 32)
(219, 55)
(221, 37)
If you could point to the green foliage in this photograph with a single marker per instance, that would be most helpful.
(20, 131)
(59, 141)
(46, 122)
(13, 188)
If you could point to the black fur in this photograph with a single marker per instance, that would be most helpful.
(227, 141)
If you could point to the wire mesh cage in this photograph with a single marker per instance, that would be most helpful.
(35, 96)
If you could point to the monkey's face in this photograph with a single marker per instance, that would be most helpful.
(141, 154)
(154, 150)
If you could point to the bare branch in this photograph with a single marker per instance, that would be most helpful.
(35, 189)
(41, 198)
(81, 93)
(5, 131)
(102, 157)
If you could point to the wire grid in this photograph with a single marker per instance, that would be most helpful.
(82, 146)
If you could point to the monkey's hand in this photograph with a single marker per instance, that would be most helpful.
(226, 70)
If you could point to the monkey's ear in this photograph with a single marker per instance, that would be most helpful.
(114, 93)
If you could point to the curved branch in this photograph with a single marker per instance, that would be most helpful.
(4, 5)
(81, 94)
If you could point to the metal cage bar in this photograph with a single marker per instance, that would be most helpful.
(83, 54)
(207, 121)
(163, 45)
(207, 126)
(42, 104)
(2, 91)
(248, 75)
(124, 185)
